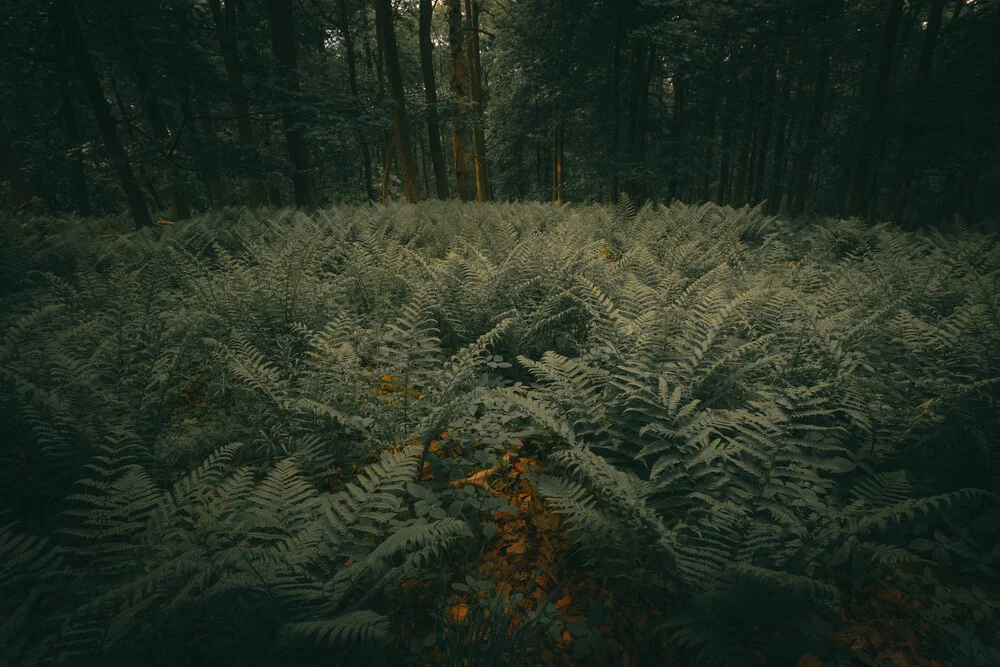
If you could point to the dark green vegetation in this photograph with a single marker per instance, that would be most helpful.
(747, 424)
(880, 109)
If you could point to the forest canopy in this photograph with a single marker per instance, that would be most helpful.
(882, 110)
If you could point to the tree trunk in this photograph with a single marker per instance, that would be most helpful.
(400, 124)
(180, 204)
(708, 152)
(430, 94)
(20, 194)
(130, 131)
(284, 47)
(901, 181)
(105, 122)
(211, 138)
(803, 164)
(366, 158)
(557, 158)
(476, 102)
(780, 144)
(750, 117)
(456, 44)
(872, 129)
(225, 25)
(68, 112)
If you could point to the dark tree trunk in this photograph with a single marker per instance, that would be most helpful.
(211, 139)
(780, 144)
(476, 102)
(804, 161)
(901, 180)
(225, 32)
(708, 152)
(872, 132)
(20, 194)
(750, 116)
(758, 187)
(430, 94)
(180, 204)
(102, 112)
(401, 126)
(283, 44)
(456, 47)
(68, 111)
(366, 158)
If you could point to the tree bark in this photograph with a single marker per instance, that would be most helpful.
(366, 158)
(20, 194)
(804, 161)
(476, 102)
(68, 112)
(871, 135)
(225, 27)
(456, 44)
(430, 94)
(211, 138)
(901, 180)
(400, 124)
(180, 204)
(750, 116)
(102, 112)
(781, 134)
(283, 44)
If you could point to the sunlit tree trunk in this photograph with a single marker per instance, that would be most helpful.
(456, 47)
(476, 102)
(401, 126)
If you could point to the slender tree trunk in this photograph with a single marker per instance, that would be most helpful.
(678, 135)
(430, 94)
(750, 117)
(780, 144)
(68, 112)
(804, 161)
(283, 43)
(366, 159)
(456, 44)
(616, 109)
(20, 194)
(105, 122)
(225, 32)
(180, 205)
(400, 124)
(144, 178)
(557, 157)
(872, 130)
(387, 165)
(708, 152)
(476, 102)
(901, 181)
(211, 138)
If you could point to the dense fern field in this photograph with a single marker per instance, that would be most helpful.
(498, 435)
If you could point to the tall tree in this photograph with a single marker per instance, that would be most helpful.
(20, 193)
(804, 160)
(456, 47)
(476, 101)
(352, 76)
(862, 173)
(283, 43)
(430, 94)
(68, 111)
(157, 121)
(225, 32)
(400, 124)
(102, 112)
(904, 172)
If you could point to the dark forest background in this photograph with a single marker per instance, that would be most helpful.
(882, 110)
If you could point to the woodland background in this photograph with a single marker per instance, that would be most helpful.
(884, 110)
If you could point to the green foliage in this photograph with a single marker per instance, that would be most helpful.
(749, 417)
